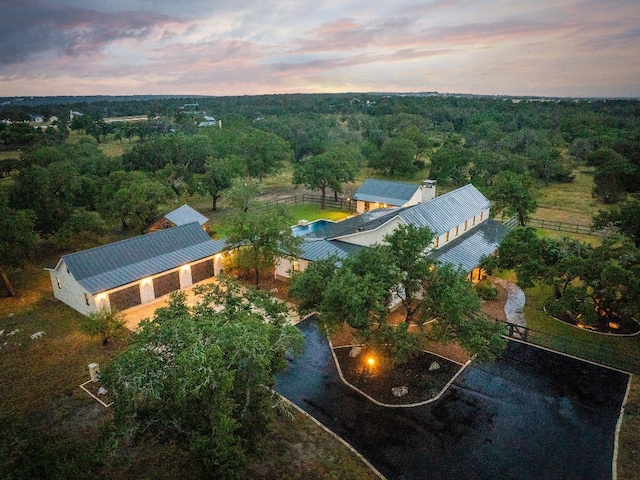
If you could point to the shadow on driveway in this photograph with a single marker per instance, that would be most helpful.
(531, 415)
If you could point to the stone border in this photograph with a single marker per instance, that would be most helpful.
(407, 405)
(616, 442)
(82, 386)
(336, 436)
(621, 335)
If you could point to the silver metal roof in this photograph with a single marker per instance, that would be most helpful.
(446, 211)
(467, 250)
(184, 215)
(386, 191)
(314, 250)
(116, 264)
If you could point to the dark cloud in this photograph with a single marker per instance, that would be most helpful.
(34, 27)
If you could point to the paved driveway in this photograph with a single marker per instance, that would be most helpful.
(531, 415)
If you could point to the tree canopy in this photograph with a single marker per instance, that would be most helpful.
(360, 291)
(202, 376)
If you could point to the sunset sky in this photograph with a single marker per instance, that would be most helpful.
(581, 48)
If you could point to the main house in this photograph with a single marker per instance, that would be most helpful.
(137, 270)
(463, 231)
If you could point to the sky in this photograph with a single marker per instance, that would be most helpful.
(558, 48)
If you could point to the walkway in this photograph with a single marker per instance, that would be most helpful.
(514, 307)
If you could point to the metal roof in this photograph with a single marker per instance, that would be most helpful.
(184, 215)
(467, 250)
(365, 221)
(447, 211)
(116, 264)
(314, 250)
(386, 191)
(441, 214)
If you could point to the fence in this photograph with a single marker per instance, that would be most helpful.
(587, 351)
(561, 226)
(330, 201)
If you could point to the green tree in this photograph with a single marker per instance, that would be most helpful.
(202, 377)
(360, 291)
(326, 170)
(106, 323)
(133, 198)
(512, 194)
(17, 240)
(263, 234)
(218, 177)
(623, 217)
(396, 157)
(84, 229)
(612, 175)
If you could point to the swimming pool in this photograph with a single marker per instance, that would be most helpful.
(301, 230)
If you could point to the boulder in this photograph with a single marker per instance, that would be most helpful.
(434, 366)
(355, 351)
(400, 391)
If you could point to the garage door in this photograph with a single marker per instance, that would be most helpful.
(201, 271)
(166, 284)
(125, 298)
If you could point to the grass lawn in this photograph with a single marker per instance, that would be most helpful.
(569, 202)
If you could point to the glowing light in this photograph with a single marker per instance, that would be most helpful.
(371, 361)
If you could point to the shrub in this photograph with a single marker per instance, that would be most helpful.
(486, 290)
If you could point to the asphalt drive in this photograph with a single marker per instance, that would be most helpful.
(530, 415)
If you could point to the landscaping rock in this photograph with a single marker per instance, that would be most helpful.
(1, 332)
(102, 391)
(37, 335)
(434, 366)
(355, 351)
(400, 391)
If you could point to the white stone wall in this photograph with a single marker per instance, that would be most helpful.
(69, 291)
(284, 267)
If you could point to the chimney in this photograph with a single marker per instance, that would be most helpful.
(428, 188)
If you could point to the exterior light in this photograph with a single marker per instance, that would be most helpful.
(371, 361)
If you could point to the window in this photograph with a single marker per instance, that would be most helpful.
(58, 282)
(437, 242)
(457, 229)
(481, 215)
(465, 225)
(86, 299)
(473, 222)
(446, 237)
(295, 266)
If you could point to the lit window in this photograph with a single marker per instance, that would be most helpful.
(465, 225)
(86, 299)
(295, 266)
(473, 222)
(446, 237)
(437, 242)
(457, 229)
(481, 215)
(58, 282)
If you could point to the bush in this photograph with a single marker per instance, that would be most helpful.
(486, 290)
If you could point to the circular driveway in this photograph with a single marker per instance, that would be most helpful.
(532, 414)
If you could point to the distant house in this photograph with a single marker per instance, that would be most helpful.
(180, 216)
(374, 194)
(73, 114)
(53, 119)
(463, 231)
(37, 118)
(210, 122)
(137, 270)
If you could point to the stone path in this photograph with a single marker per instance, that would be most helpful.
(514, 306)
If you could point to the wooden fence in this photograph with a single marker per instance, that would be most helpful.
(562, 226)
(330, 201)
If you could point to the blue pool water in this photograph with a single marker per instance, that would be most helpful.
(301, 230)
